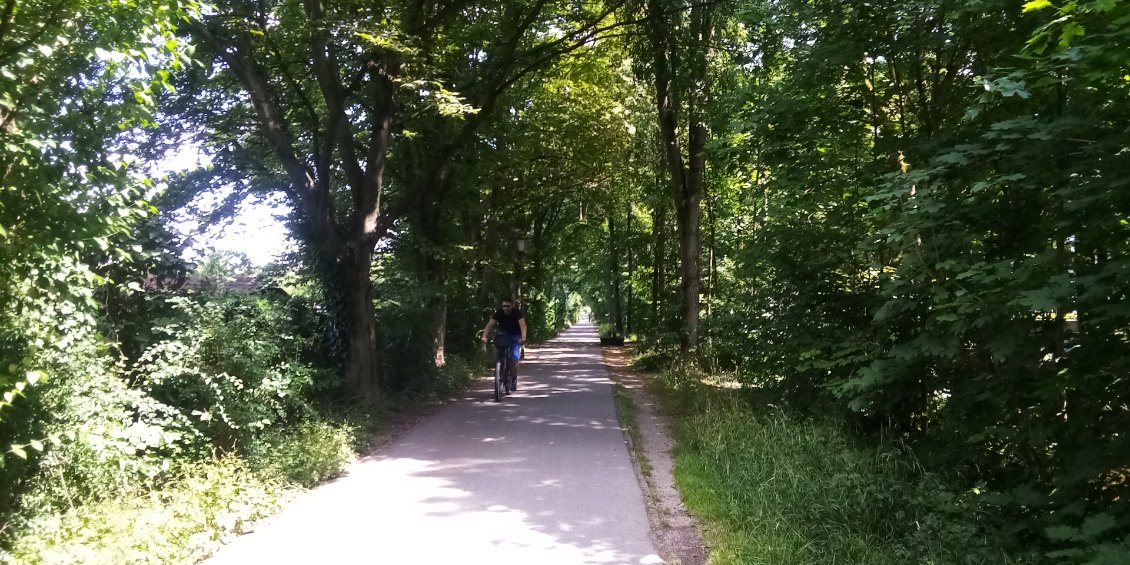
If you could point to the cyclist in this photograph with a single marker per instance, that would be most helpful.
(510, 323)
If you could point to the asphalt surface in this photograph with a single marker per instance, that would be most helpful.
(542, 478)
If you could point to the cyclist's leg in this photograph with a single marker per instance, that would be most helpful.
(515, 355)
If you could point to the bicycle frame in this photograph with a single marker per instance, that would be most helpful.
(502, 367)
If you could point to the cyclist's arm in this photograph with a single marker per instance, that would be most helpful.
(522, 324)
(486, 330)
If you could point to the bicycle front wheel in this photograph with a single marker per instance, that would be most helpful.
(498, 368)
(507, 366)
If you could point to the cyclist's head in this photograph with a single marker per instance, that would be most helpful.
(507, 304)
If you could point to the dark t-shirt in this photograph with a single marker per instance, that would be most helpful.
(508, 323)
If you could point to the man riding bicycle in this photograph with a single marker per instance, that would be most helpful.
(512, 329)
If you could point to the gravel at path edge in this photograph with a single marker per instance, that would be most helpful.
(675, 531)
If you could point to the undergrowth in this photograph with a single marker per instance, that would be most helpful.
(304, 455)
(772, 488)
(182, 521)
(186, 512)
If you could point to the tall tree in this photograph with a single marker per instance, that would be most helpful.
(563, 147)
(483, 66)
(680, 38)
(321, 94)
(333, 86)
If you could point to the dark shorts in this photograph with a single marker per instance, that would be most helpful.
(505, 340)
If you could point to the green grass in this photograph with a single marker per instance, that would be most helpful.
(770, 488)
(626, 411)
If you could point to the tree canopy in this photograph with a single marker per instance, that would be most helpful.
(905, 216)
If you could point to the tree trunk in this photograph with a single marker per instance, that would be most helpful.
(686, 173)
(658, 281)
(435, 284)
(487, 237)
(689, 214)
(519, 273)
(362, 366)
(614, 268)
(426, 220)
(439, 327)
(631, 266)
(712, 255)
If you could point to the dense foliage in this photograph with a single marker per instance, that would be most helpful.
(916, 221)
(907, 218)
(776, 488)
(142, 390)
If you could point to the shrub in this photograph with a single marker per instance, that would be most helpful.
(183, 521)
(775, 489)
(455, 375)
(657, 354)
(98, 436)
(306, 454)
(233, 363)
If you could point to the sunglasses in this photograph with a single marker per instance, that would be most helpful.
(506, 306)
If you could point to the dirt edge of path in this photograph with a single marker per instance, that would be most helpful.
(677, 534)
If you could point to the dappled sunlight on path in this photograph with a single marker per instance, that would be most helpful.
(543, 477)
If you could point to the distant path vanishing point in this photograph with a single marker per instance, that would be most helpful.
(542, 478)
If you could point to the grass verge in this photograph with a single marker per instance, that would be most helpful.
(626, 410)
(187, 513)
(181, 522)
(770, 488)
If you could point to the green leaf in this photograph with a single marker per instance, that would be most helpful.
(1111, 554)
(18, 451)
(1036, 5)
(1095, 525)
(1069, 33)
(1061, 533)
(1073, 554)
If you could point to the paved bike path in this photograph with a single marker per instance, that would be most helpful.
(542, 478)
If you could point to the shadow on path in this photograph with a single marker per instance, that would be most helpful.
(543, 477)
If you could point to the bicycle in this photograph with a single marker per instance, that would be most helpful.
(504, 365)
